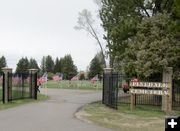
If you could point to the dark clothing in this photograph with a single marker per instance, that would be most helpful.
(38, 88)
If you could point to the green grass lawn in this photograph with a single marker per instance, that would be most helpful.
(143, 118)
(15, 103)
(18, 93)
(85, 85)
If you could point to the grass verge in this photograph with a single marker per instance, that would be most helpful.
(82, 85)
(15, 103)
(143, 118)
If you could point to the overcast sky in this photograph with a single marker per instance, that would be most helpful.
(35, 28)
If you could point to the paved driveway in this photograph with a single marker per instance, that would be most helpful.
(55, 114)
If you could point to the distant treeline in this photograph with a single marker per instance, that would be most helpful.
(64, 65)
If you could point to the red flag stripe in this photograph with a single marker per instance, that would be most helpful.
(75, 78)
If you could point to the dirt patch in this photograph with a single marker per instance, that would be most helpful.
(81, 115)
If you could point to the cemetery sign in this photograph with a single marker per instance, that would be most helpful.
(150, 88)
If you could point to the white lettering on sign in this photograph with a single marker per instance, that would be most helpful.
(150, 84)
(149, 92)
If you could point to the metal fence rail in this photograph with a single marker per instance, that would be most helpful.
(140, 99)
(20, 86)
(15, 86)
(114, 94)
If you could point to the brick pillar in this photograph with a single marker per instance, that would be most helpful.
(7, 91)
(33, 84)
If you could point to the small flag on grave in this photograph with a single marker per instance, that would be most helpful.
(94, 79)
(75, 78)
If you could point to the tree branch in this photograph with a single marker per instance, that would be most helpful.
(142, 7)
(96, 37)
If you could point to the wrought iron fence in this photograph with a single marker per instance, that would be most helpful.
(116, 92)
(15, 86)
(140, 99)
(20, 86)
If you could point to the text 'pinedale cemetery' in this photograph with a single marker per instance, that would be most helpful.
(158, 88)
(151, 88)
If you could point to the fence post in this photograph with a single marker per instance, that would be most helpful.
(33, 83)
(7, 84)
(167, 100)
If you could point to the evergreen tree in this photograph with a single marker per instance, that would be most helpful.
(2, 63)
(153, 48)
(23, 65)
(119, 20)
(68, 68)
(49, 64)
(43, 65)
(57, 66)
(100, 59)
(121, 17)
(33, 64)
(176, 9)
(95, 67)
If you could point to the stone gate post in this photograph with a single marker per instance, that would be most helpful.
(33, 83)
(167, 100)
(7, 84)
(107, 71)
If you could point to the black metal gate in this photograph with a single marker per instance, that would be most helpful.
(23, 85)
(110, 89)
(116, 91)
(140, 99)
(149, 100)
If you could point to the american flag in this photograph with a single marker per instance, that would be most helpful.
(1, 78)
(135, 80)
(75, 78)
(94, 79)
(42, 79)
(57, 78)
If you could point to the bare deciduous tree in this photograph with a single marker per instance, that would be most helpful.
(86, 22)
